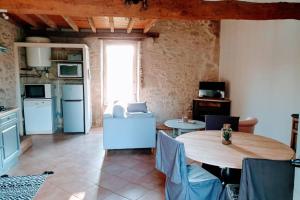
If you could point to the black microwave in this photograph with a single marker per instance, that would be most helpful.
(38, 91)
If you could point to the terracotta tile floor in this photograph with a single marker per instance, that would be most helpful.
(83, 172)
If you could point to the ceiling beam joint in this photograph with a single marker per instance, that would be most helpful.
(92, 24)
(149, 25)
(49, 22)
(71, 23)
(28, 20)
(130, 24)
(111, 24)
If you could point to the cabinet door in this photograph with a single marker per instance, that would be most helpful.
(10, 139)
(1, 159)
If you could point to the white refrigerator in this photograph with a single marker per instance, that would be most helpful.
(73, 108)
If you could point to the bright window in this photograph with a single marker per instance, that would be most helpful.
(120, 71)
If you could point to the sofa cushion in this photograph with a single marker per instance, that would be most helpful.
(118, 111)
(137, 107)
(139, 114)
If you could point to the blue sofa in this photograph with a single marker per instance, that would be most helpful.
(131, 131)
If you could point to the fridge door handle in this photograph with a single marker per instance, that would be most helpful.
(73, 100)
(295, 162)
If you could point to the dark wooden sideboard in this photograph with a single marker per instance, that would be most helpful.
(206, 106)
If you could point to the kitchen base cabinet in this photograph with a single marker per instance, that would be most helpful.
(9, 142)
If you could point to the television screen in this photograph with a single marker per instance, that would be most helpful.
(212, 89)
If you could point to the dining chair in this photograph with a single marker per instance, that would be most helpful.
(263, 179)
(248, 125)
(294, 133)
(216, 122)
(183, 182)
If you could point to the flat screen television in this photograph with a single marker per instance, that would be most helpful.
(208, 89)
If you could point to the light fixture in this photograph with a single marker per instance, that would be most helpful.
(144, 3)
(4, 14)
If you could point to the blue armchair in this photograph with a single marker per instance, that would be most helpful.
(128, 130)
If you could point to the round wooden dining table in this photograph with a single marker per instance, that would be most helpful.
(206, 147)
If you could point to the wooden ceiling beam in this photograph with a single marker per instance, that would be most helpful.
(101, 33)
(92, 24)
(149, 25)
(164, 9)
(111, 24)
(28, 20)
(49, 22)
(130, 24)
(71, 23)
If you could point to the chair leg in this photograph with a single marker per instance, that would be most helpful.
(174, 133)
(153, 151)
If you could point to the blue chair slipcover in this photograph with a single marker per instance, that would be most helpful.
(263, 180)
(183, 182)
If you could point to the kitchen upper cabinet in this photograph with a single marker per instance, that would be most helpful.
(9, 140)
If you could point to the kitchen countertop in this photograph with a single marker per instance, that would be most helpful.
(8, 111)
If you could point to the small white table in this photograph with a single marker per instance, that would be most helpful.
(180, 127)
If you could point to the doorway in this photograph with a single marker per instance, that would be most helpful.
(120, 71)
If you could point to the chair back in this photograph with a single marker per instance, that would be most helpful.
(170, 158)
(216, 122)
(248, 125)
(294, 133)
(266, 179)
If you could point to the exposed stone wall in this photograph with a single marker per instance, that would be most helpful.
(9, 34)
(173, 64)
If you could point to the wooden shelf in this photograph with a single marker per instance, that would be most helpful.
(67, 61)
(65, 78)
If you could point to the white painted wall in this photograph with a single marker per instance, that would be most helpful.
(261, 62)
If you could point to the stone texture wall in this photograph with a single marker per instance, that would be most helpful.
(173, 64)
(9, 34)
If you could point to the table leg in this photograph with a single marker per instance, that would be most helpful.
(178, 132)
(174, 133)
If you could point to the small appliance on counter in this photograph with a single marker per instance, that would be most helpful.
(74, 57)
(69, 70)
(73, 111)
(39, 91)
